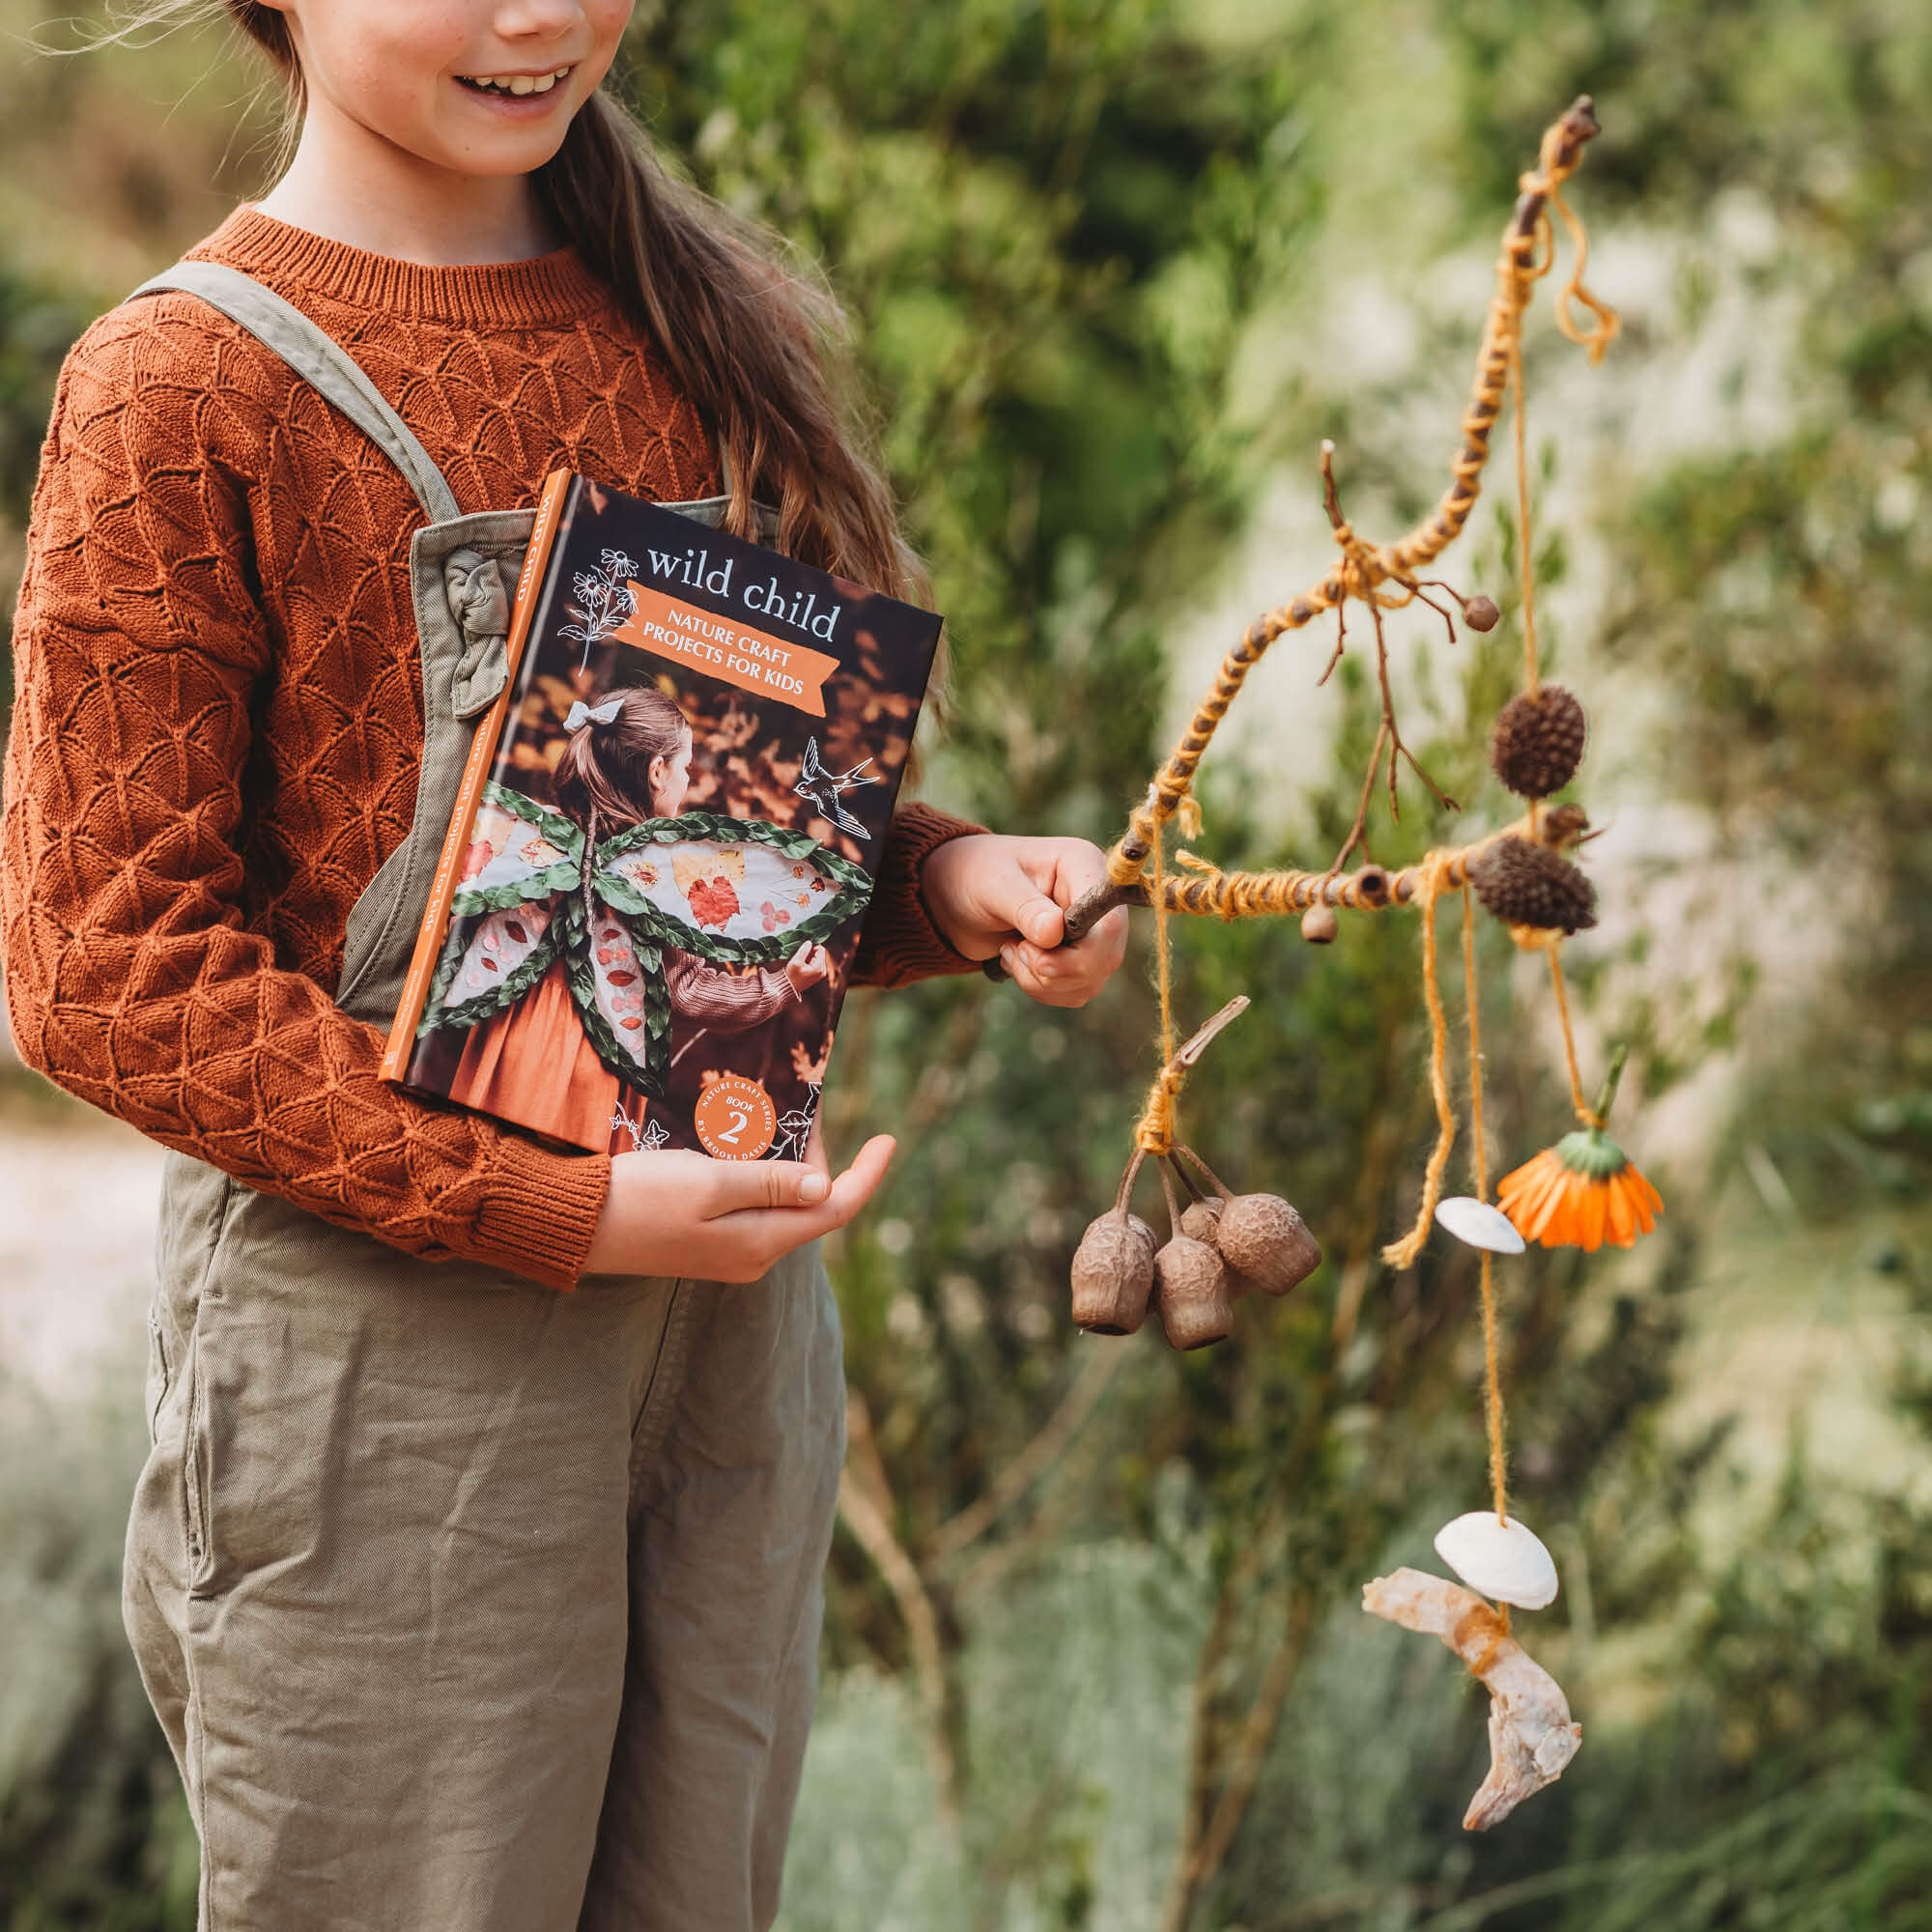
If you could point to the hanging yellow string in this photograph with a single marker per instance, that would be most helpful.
(1401, 1254)
(1155, 1132)
(1480, 1160)
(1585, 1112)
(1597, 337)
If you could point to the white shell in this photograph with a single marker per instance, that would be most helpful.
(1479, 1224)
(1503, 1560)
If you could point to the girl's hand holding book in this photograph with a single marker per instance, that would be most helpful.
(992, 893)
(808, 968)
(684, 1213)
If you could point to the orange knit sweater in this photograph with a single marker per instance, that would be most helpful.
(220, 717)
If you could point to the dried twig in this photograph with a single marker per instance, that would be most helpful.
(1531, 1737)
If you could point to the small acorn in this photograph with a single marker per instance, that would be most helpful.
(1113, 1273)
(1263, 1237)
(1191, 1293)
(1538, 742)
(1480, 614)
(1319, 926)
(1525, 884)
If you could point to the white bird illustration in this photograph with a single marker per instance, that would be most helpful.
(823, 788)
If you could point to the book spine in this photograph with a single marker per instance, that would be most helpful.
(400, 1048)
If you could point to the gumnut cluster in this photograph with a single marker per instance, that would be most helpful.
(1220, 1246)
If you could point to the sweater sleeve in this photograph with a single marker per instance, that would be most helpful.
(722, 1000)
(899, 942)
(133, 978)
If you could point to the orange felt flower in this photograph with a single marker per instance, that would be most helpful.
(1580, 1194)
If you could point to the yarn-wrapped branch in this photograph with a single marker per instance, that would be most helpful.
(1360, 574)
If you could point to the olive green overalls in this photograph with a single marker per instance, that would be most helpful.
(468, 1605)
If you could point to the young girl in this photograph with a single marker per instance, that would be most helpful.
(533, 1061)
(466, 1603)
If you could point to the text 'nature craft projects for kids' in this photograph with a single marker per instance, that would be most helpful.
(643, 922)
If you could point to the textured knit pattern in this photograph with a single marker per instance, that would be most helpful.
(220, 717)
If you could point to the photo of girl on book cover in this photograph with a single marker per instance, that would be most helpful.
(662, 884)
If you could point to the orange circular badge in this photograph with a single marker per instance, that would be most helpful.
(735, 1119)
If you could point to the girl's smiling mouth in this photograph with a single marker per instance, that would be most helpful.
(514, 85)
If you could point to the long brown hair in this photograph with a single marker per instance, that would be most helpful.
(756, 344)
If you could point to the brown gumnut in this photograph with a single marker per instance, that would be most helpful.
(1480, 614)
(1191, 1293)
(1201, 1220)
(1263, 1237)
(1203, 1223)
(1319, 926)
(1113, 1273)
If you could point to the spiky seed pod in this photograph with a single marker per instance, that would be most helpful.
(1113, 1274)
(1538, 742)
(1523, 884)
(1191, 1293)
(1480, 614)
(1319, 926)
(1564, 826)
(1266, 1239)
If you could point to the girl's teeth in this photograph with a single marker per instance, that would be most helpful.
(521, 83)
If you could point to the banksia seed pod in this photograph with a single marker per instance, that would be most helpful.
(1538, 742)
(1113, 1273)
(1523, 884)
(1480, 614)
(1263, 1237)
(1191, 1293)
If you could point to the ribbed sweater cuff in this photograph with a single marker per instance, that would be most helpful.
(540, 1212)
(901, 943)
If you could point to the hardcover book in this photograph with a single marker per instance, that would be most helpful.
(645, 917)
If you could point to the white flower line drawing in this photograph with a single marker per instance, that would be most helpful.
(603, 600)
(795, 1127)
(652, 1136)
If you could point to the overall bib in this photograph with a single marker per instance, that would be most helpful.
(468, 1605)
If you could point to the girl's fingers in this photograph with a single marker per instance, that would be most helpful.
(769, 1233)
(1055, 978)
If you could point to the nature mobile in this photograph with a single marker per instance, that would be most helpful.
(1583, 1191)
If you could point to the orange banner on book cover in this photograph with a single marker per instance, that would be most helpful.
(753, 659)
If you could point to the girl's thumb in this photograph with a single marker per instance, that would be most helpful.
(774, 1183)
(1040, 920)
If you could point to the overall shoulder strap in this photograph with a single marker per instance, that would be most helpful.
(320, 361)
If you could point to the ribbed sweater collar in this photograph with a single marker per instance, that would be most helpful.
(546, 289)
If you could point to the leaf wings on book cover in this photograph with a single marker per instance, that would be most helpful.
(735, 890)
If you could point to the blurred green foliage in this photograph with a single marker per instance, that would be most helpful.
(1082, 244)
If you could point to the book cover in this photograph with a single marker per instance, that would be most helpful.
(644, 920)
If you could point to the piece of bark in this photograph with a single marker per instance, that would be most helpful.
(1531, 1738)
